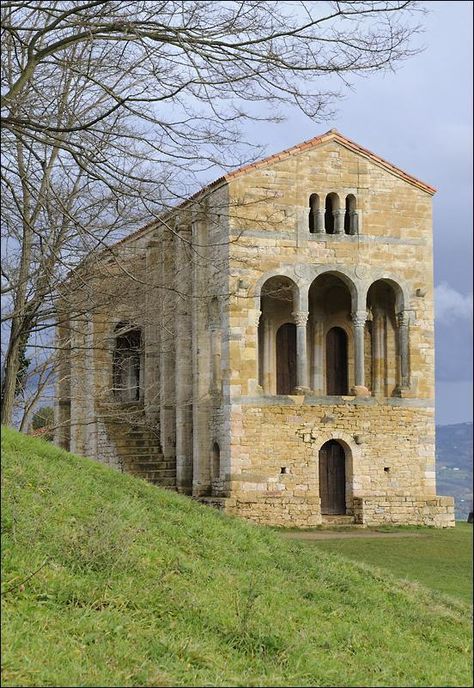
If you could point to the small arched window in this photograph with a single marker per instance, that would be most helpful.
(350, 216)
(127, 362)
(331, 208)
(313, 217)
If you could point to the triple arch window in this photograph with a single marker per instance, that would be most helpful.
(328, 215)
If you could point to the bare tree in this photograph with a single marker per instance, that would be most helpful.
(112, 110)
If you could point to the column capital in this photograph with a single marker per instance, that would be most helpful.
(359, 318)
(300, 317)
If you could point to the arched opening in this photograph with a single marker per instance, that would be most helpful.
(275, 351)
(331, 343)
(350, 215)
(126, 365)
(215, 462)
(383, 365)
(313, 213)
(336, 361)
(286, 358)
(332, 478)
(331, 207)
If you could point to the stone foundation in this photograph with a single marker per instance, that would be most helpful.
(413, 510)
(437, 512)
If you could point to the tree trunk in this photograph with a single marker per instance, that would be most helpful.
(10, 374)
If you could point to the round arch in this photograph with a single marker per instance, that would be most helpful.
(399, 288)
(344, 277)
(287, 272)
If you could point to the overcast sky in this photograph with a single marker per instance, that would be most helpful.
(420, 118)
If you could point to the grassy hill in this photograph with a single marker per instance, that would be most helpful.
(454, 465)
(111, 581)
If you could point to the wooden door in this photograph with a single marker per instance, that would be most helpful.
(332, 478)
(336, 361)
(286, 358)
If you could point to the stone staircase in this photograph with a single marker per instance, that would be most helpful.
(138, 449)
(142, 456)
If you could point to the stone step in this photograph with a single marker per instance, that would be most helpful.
(138, 441)
(168, 481)
(136, 449)
(144, 456)
(155, 476)
(133, 432)
(337, 520)
(165, 472)
(138, 462)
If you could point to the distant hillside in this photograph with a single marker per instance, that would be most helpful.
(454, 465)
(111, 581)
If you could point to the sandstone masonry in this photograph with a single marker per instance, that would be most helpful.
(268, 345)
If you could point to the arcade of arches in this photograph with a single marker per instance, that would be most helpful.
(328, 349)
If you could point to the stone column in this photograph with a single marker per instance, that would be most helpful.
(151, 380)
(377, 351)
(319, 220)
(317, 216)
(353, 222)
(301, 318)
(318, 364)
(62, 406)
(255, 321)
(267, 356)
(167, 353)
(403, 322)
(183, 364)
(201, 360)
(359, 319)
(339, 221)
(215, 354)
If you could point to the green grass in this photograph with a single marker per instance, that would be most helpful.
(440, 559)
(136, 586)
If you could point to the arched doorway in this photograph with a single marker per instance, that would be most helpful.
(286, 358)
(332, 478)
(336, 361)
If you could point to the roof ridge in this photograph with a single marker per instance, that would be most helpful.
(334, 134)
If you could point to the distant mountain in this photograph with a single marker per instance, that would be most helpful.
(454, 465)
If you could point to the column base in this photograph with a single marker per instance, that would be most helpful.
(301, 391)
(360, 391)
(402, 392)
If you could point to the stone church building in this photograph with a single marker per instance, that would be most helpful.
(267, 346)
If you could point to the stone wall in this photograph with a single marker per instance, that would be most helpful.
(412, 510)
(193, 285)
(275, 449)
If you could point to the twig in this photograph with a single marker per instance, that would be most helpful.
(17, 585)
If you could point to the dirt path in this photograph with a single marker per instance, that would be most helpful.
(334, 535)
